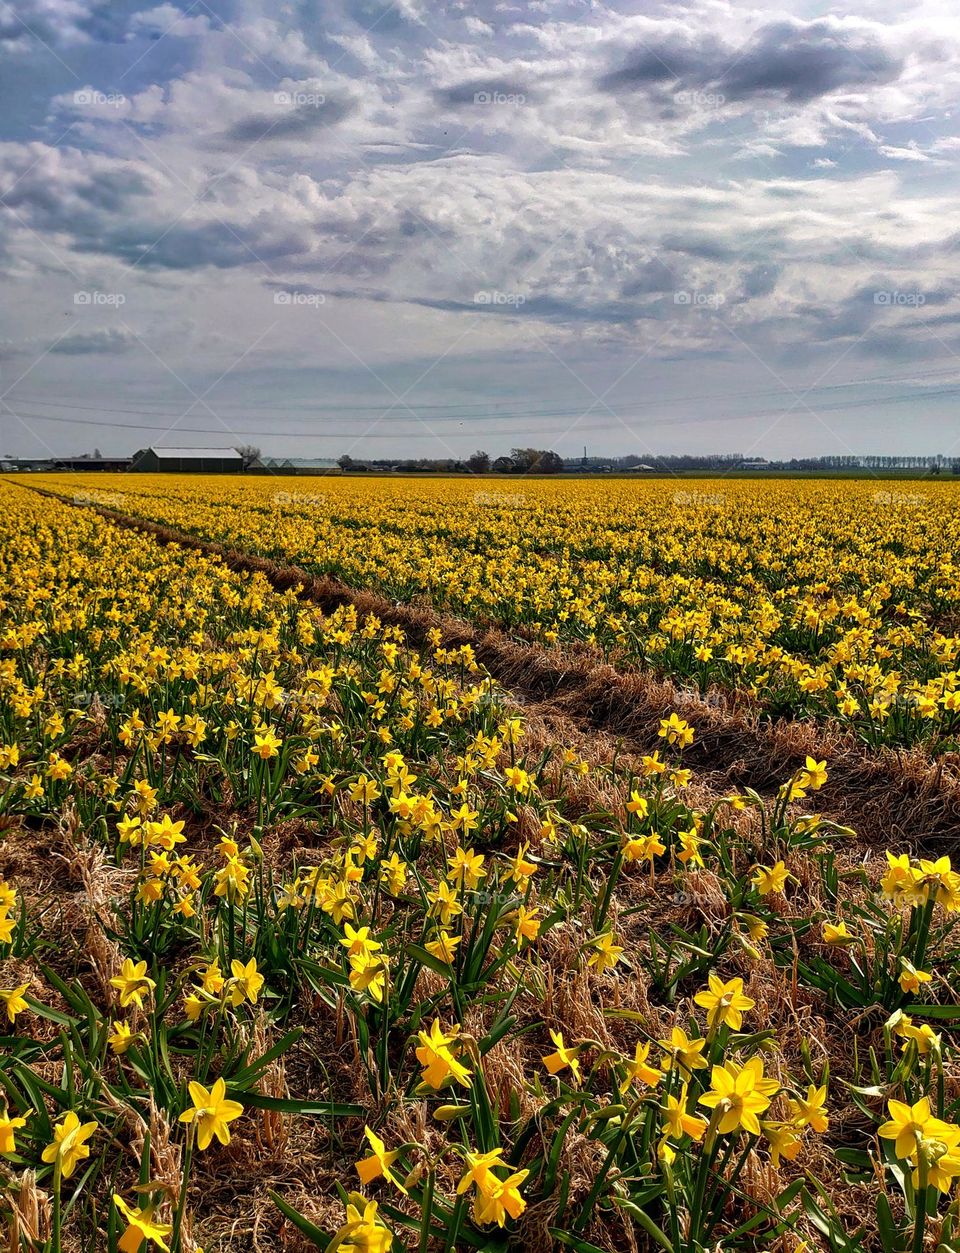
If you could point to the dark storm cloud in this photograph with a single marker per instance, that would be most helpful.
(220, 245)
(708, 247)
(799, 61)
(481, 91)
(761, 280)
(803, 61)
(652, 277)
(664, 61)
(290, 121)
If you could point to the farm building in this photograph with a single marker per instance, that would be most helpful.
(187, 461)
(113, 464)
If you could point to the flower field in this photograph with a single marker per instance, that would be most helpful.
(311, 938)
(836, 600)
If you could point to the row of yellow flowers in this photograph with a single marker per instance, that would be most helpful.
(835, 599)
(311, 827)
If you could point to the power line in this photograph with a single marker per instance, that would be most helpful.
(590, 421)
(484, 410)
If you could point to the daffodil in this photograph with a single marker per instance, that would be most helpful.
(502, 1201)
(605, 952)
(368, 973)
(678, 1123)
(436, 1055)
(837, 933)
(768, 879)
(739, 1094)
(725, 1003)
(14, 1001)
(246, 982)
(8, 1128)
(141, 1226)
(133, 983)
(639, 1071)
(680, 1050)
(908, 1125)
(363, 1231)
(212, 1112)
(563, 1057)
(809, 1111)
(379, 1162)
(120, 1038)
(69, 1145)
(910, 979)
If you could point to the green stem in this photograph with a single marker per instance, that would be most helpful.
(57, 1216)
(426, 1212)
(175, 1245)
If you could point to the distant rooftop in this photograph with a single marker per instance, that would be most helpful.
(183, 453)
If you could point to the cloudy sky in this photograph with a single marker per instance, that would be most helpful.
(419, 227)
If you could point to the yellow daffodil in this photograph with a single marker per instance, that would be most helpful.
(212, 1112)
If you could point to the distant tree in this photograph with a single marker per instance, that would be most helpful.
(523, 459)
(250, 453)
(536, 461)
(345, 462)
(479, 463)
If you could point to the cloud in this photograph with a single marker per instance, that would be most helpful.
(799, 61)
(106, 339)
(670, 59)
(28, 22)
(804, 60)
(526, 188)
(482, 91)
(296, 120)
(167, 20)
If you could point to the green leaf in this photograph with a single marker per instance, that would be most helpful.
(282, 1105)
(574, 1242)
(492, 1038)
(645, 1221)
(254, 1069)
(313, 1233)
(427, 959)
